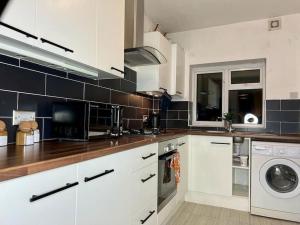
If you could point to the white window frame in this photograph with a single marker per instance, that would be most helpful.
(226, 70)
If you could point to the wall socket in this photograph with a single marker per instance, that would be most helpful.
(19, 116)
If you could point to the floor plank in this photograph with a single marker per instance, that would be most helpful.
(196, 214)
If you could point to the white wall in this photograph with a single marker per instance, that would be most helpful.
(251, 40)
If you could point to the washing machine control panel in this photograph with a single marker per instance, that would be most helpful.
(276, 149)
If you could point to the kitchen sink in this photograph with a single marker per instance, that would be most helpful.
(216, 131)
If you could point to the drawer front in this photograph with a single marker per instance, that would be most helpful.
(146, 216)
(144, 187)
(144, 156)
(32, 196)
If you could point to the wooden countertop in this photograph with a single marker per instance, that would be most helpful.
(17, 161)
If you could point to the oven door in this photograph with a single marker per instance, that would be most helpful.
(167, 186)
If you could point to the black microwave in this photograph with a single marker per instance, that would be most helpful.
(70, 120)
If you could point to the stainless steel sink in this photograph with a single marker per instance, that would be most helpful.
(216, 131)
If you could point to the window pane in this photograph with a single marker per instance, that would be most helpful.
(245, 76)
(209, 96)
(246, 106)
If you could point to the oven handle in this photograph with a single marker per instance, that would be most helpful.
(162, 157)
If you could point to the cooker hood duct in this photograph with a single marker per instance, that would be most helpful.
(136, 54)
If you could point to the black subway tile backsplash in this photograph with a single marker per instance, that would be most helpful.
(22, 80)
(273, 105)
(8, 103)
(289, 128)
(41, 68)
(65, 88)
(31, 87)
(290, 104)
(9, 60)
(97, 94)
(42, 105)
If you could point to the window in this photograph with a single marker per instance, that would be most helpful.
(236, 88)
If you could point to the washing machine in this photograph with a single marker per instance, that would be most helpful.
(275, 184)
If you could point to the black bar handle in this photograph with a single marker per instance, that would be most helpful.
(148, 178)
(150, 214)
(220, 143)
(87, 179)
(38, 197)
(114, 68)
(149, 156)
(43, 40)
(18, 30)
(182, 143)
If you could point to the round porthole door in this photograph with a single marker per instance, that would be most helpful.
(280, 177)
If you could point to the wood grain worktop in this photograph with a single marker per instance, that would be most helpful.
(17, 161)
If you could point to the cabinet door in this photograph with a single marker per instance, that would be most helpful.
(183, 149)
(53, 209)
(211, 165)
(180, 71)
(69, 24)
(103, 194)
(20, 15)
(111, 20)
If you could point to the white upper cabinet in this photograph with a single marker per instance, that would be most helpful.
(20, 16)
(68, 28)
(110, 49)
(152, 78)
(178, 70)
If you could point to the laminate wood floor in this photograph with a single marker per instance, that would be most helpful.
(195, 214)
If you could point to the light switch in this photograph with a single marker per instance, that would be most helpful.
(19, 116)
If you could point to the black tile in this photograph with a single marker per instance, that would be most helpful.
(9, 60)
(172, 115)
(128, 86)
(82, 79)
(274, 116)
(288, 128)
(114, 84)
(163, 115)
(136, 124)
(163, 124)
(183, 115)
(147, 103)
(141, 113)
(177, 124)
(43, 69)
(119, 98)
(18, 79)
(130, 113)
(272, 104)
(130, 74)
(135, 100)
(273, 127)
(182, 105)
(104, 113)
(290, 116)
(11, 130)
(97, 94)
(8, 103)
(290, 104)
(48, 129)
(61, 87)
(42, 105)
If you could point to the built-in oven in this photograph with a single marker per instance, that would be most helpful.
(167, 187)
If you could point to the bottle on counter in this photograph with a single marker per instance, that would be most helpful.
(3, 134)
(25, 134)
(36, 131)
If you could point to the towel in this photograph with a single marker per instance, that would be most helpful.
(175, 164)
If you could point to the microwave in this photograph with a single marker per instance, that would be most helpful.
(70, 120)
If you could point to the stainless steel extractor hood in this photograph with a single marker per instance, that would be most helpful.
(136, 54)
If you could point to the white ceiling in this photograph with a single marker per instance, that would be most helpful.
(181, 15)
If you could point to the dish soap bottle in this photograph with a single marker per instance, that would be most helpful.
(25, 134)
(3, 134)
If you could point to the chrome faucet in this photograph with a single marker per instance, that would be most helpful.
(227, 124)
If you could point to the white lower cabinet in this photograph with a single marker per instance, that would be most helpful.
(103, 193)
(47, 198)
(146, 216)
(211, 165)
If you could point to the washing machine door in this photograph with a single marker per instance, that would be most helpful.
(280, 178)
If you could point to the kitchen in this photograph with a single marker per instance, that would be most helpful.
(149, 112)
